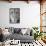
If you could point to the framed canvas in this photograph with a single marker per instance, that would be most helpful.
(14, 15)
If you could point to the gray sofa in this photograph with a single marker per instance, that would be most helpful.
(15, 33)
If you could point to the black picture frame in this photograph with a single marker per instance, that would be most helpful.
(14, 15)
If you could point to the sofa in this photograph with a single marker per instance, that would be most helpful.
(22, 34)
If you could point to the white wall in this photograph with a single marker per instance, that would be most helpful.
(29, 14)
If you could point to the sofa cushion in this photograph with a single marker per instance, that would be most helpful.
(17, 30)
